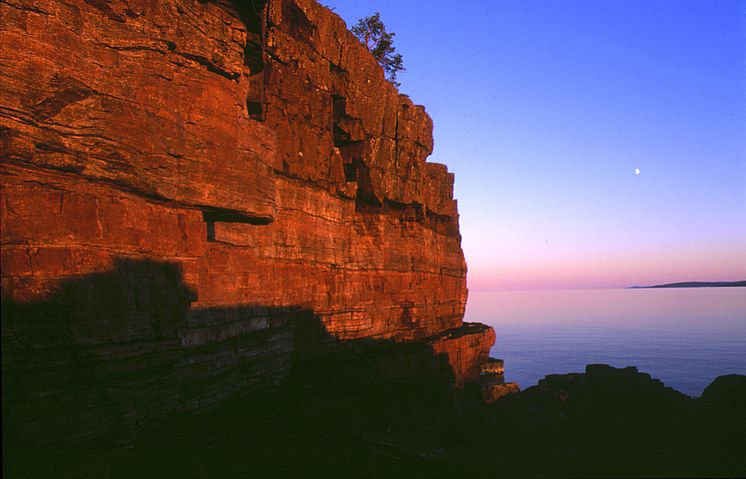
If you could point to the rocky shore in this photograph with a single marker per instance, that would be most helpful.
(355, 414)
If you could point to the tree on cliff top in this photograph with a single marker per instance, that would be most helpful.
(372, 32)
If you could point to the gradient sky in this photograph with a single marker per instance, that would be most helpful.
(543, 110)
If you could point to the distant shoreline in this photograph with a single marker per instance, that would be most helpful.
(696, 284)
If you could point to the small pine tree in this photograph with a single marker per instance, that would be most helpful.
(372, 33)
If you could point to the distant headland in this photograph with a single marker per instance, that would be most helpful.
(696, 284)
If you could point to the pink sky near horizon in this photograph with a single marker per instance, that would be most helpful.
(577, 270)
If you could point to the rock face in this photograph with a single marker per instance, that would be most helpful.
(195, 194)
(492, 381)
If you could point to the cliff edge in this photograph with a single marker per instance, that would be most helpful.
(197, 194)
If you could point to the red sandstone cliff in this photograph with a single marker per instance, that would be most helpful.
(183, 180)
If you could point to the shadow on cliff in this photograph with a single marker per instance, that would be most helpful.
(115, 375)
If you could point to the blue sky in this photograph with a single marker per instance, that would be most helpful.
(544, 109)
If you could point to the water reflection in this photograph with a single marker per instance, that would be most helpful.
(685, 337)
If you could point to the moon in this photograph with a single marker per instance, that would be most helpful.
(637, 171)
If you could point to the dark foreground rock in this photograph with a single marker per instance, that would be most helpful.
(623, 423)
(353, 414)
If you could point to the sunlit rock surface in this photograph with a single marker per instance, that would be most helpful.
(197, 194)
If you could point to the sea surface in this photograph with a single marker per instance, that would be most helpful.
(685, 336)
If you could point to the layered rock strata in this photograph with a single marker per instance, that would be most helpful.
(196, 194)
(492, 381)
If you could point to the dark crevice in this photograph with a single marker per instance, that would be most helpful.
(68, 91)
(253, 14)
(350, 170)
(219, 215)
(299, 26)
(50, 147)
(230, 216)
(27, 8)
(211, 67)
(413, 212)
(441, 224)
(352, 153)
(409, 213)
(210, 231)
(105, 8)
(334, 68)
(365, 194)
(339, 112)
(346, 130)
(339, 106)
(132, 48)
(255, 109)
(340, 136)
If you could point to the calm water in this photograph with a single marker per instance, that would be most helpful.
(684, 337)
